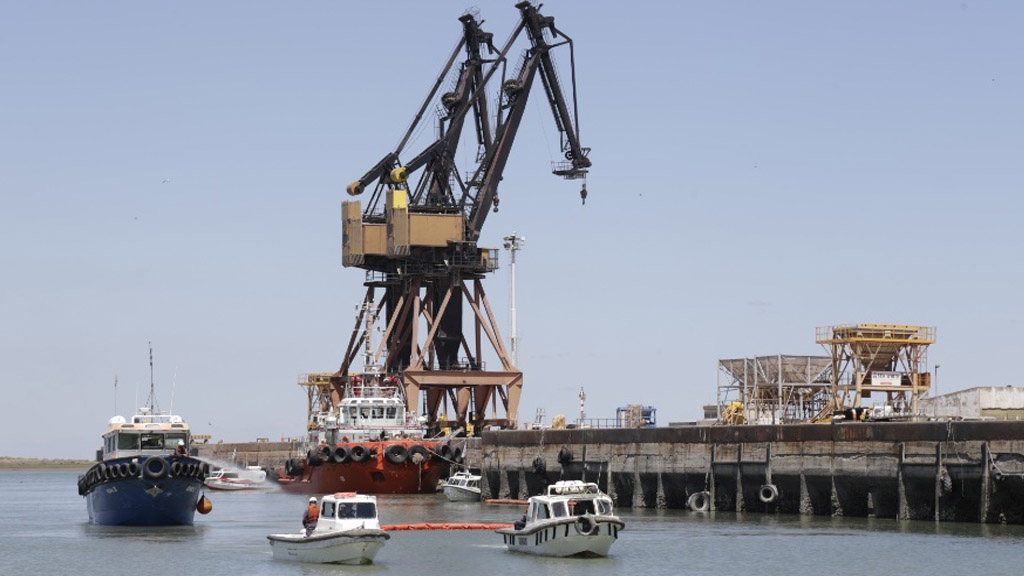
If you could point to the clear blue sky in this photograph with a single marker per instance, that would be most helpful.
(760, 169)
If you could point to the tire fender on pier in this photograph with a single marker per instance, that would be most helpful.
(699, 502)
(768, 493)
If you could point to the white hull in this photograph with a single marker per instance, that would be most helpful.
(355, 547)
(562, 538)
(234, 486)
(461, 494)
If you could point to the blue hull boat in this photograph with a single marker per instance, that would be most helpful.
(153, 491)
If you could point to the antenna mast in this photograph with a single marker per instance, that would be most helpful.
(152, 387)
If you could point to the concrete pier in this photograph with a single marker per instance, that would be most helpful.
(967, 471)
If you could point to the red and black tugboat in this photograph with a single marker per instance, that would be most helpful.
(368, 444)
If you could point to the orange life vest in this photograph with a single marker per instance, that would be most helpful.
(313, 513)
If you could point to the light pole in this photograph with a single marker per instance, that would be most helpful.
(513, 244)
(937, 366)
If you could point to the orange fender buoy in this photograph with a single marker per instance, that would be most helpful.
(204, 505)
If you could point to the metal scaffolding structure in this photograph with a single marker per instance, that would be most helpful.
(773, 389)
(884, 359)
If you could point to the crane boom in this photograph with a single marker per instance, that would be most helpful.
(441, 190)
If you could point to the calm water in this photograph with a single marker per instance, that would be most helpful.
(44, 530)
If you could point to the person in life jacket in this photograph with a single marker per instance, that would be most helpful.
(312, 516)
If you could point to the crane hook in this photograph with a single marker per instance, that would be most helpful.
(496, 202)
(583, 194)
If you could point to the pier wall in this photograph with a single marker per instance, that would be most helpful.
(948, 471)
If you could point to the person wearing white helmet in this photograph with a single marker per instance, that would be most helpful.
(179, 450)
(311, 517)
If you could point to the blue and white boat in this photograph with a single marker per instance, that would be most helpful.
(144, 475)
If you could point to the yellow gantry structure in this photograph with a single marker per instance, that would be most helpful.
(868, 359)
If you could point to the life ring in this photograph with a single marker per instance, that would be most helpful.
(358, 453)
(565, 455)
(585, 525)
(699, 502)
(340, 455)
(768, 493)
(155, 467)
(418, 454)
(396, 453)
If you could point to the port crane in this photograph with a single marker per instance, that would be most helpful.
(417, 233)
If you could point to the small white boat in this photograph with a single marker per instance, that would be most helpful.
(348, 532)
(573, 518)
(249, 478)
(463, 487)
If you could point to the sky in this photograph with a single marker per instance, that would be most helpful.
(172, 173)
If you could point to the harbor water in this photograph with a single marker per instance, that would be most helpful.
(44, 530)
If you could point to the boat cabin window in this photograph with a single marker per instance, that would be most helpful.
(604, 507)
(127, 441)
(152, 441)
(362, 510)
(156, 441)
(581, 507)
(328, 511)
(539, 511)
(559, 510)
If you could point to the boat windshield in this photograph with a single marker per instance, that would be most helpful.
(361, 510)
(604, 506)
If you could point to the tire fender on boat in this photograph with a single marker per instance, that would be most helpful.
(340, 455)
(101, 471)
(699, 502)
(585, 525)
(444, 451)
(565, 455)
(326, 453)
(539, 465)
(396, 453)
(457, 455)
(155, 467)
(418, 454)
(176, 469)
(313, 458)
(123, 469)
(768, 493)
(358, 453)
(133, 470)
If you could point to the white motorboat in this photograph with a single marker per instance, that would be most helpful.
(348, 532)
(249, 478)
(463, 487)
(573, 518)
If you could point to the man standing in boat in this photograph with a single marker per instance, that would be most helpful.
(179, 450)
(312, 516)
